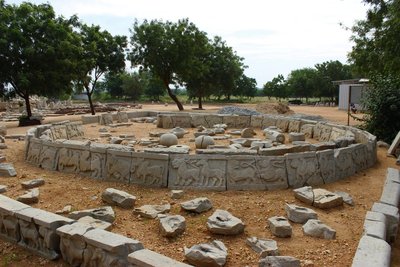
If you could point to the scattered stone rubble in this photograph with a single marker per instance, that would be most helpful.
(197, 205)
(212, 254)
(118, 198)
(224, 223)
(319, 198)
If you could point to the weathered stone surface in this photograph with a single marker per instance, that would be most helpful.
(116, 140)
(168, 139)
(344, 166)
(256, 121)
(283, 124)
(86, 119)
(346, 197)
(299, 214)
(149, 169)
(65, 210)
(304, 194)
(105, 213)
(294, 126)
(95, 223)
(324, 199)
(261, 144)
(3, 189)
(326, 162)
(30, 197)
(197, 172)
(247, 133)
(392, 219)
(224, 223)
(280, 226)
(274, 136)
(119, 198)
(118, 166)
(203, 141)
(32, 183)
(179, 132)
(255, 172)
(148, 258)
(151, 211)
(122, 117)
(375, 229)
(279, 261)
(177, 194)
(303, 169)
(197, 205)
(264, 247)
(322, 146)
(372, 252)
(322, 132)
(106, 119)
(308, 130)
(212, 254)
(296, 137)
(274, 151)
(172, 225)
(395, 144)
(7, 170)
(316, 228)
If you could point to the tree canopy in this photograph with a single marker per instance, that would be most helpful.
(37, 50)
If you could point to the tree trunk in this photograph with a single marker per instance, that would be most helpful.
(89, 94)
(173, 97)
(28, 106)
(200, 103)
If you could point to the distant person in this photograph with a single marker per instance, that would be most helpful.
(353, 108)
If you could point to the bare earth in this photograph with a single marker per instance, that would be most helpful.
(253, 207)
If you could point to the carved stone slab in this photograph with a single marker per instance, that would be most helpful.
(256, 121)
(268, 121)
(294, 126)
(326, 161)
(74, 130)
(360, 157)
(322, 132)
(9, 227)
(59, 132)
(344, 165)
(242, 121)
(74, 157)
(34, 149)
(98, 160)
(122, 117)
(229, 120)
(118, 166)
(106, 119)
(197, 172)
(283, 124)
(308, 130)
(149, 169)
(303, 169)
(48, 159)
(256, 173)
(184, 121)
(213, 120)
(199, 120)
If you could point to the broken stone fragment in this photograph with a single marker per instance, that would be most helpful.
(197, 205)
(264, 247)
(299, 214)
(172, 225)
(324, 199)
(316, 228)
(304, 194)
(279, 261)
(30, 197)
(280, 226)
(177, 194)
(7, 170)
(33, 183)
(118, 198)
(224, 223)
(346, 197)
(212, 254)
(3, 189)
(105, 213)
(151, 211)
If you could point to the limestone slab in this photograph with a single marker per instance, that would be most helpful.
(280, 226)
(149, 258)
(30, 197)
(303, 169)
(372, 252)
(197, 172)
(33, 183)
(304, 194)
(375, 229)
(318, 229)
(118, 166)
(392, 219)
(294, 126)
(256, 173)
(325, 199)
(149, 169)
(95, 223)
(326, 162)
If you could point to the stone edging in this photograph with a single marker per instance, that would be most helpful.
(380, 225)
(267, 169)
(52, 236)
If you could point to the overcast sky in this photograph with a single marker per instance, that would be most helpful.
(274, 37)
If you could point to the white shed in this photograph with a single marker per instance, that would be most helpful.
(351, 88)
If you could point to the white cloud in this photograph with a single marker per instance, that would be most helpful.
(286, 33)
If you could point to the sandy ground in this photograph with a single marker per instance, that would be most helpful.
(253, 207)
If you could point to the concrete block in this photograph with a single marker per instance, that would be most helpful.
(372, 252)
(392, 218)
(375, 229)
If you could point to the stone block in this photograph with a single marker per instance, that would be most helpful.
(33, 151)
(299, 214)
(122, 117)
(118, 166)
(172, 225)
(325, 199)
(3, 189)
(304, 194)
(114, 248)
(391, 193)
(375, 229)
(274, 151)
(9, 226)
(197, 205)
(74, 157)
(33, 183)
(197, 172)
(7, 170)
(75, 130)
(308, 130)
(284, 261)
(106, 119)
(48, 158)
(326, 162)
(393, 174)
(322, 132)
(210, 254)
(87, 119)
(256, 121)
(30, 197)
(59, 132)
(268, 121)
(149, 258)
(395, 144)
(184, 121)
(256, 173)
(344, 166)
(119, 198)
(105, 213)
(198, 120)
(283, 124)
(316, 228)
(294, 126)
(213, 119)
(280, 226)
(392, 219)
(224, 223)
(372, 252)
(95, 223)
(296, 136)
(323, 146)
(149, 169)
(359, 156)
(264, 247)
(242, 121)
(303, 169)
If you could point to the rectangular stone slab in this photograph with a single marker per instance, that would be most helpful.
(9, 206)
(344, 166)
(395, 144)
(197, 172)
(118, 166)
(33, 153)
(148, 258)
(303, 169)
(149, 169)
(372, 252)
(326, 161)
(111, 242)
(49, 155)
(86, 119)
(256, 173)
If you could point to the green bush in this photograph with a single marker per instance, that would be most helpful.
(382, 103)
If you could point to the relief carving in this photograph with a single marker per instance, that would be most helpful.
(149, 174)
(29, 235)
(187, 171)
(118, 168)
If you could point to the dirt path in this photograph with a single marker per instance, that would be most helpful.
(253, 207)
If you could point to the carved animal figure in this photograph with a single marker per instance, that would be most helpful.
(68, 159)
(208, 174)
(33, 153)
(97, 161)
(272, 170)
(72, 253)
(243, 172)
(29, 235)
(11, 227)
(117, 169)
(185, 175)
(145, 171)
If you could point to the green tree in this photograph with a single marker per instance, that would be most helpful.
(112, 83)
(37, 50)
(277, 87)
(100, 53)
(377, 38)
(303, 82)
(247, 86)
(167, 49)
(154, 88)
(133, 85)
